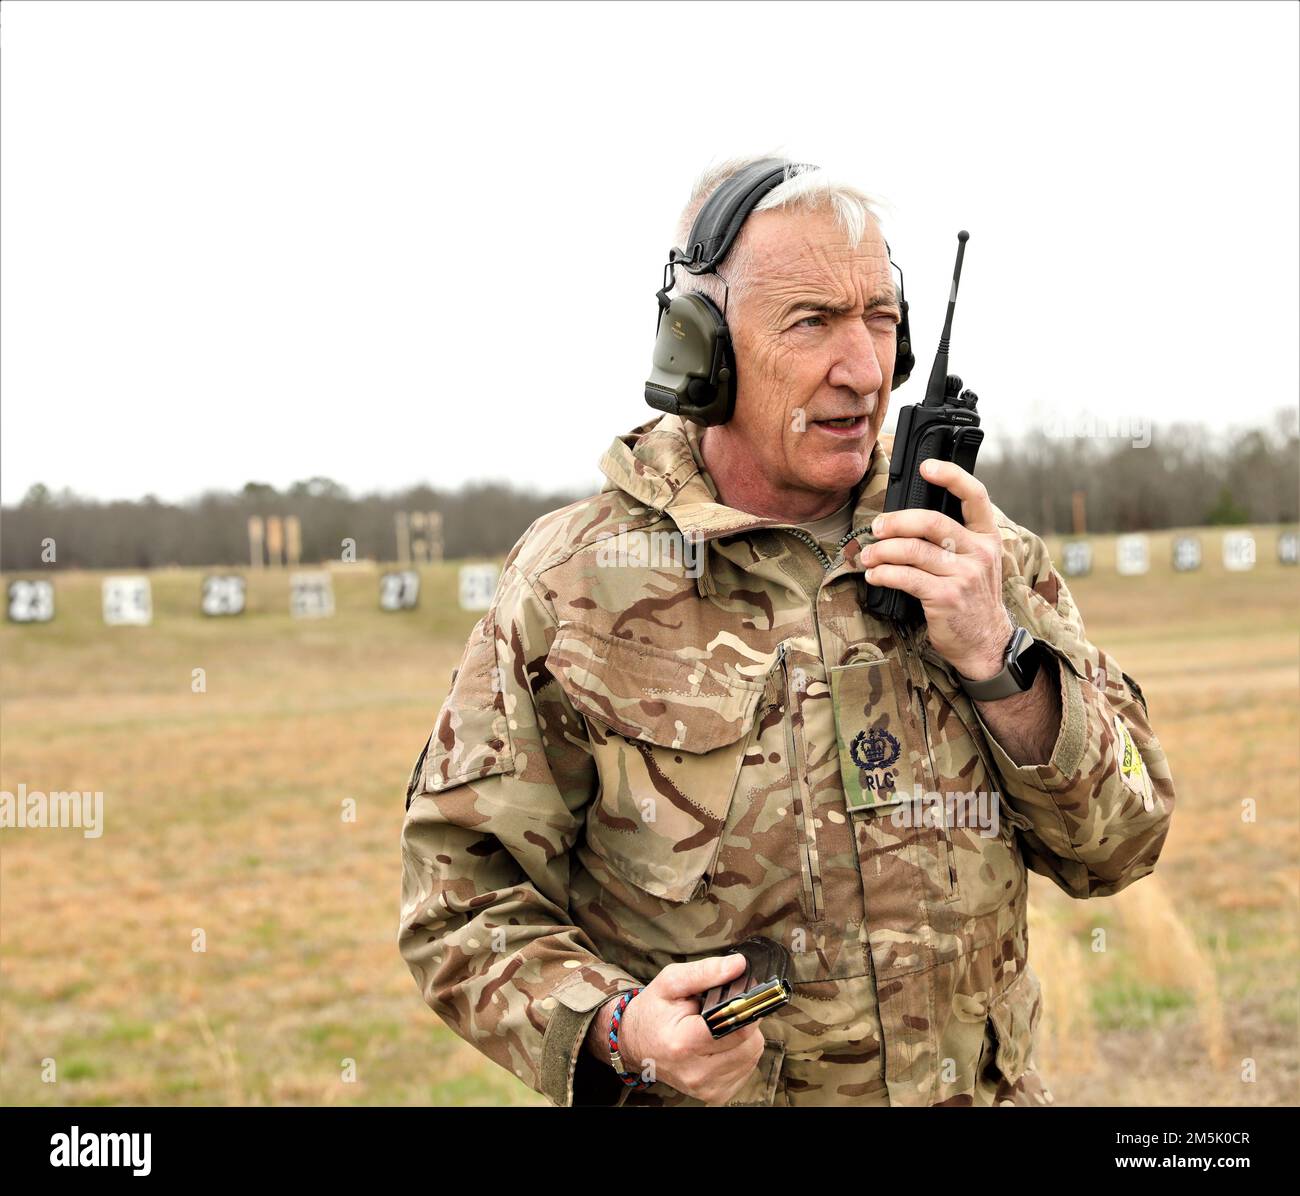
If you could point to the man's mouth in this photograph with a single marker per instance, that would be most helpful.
(849, 425)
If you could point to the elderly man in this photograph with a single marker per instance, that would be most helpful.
(657, 740)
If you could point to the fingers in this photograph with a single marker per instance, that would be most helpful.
(921, 554)
(680, 980)
(976, 507)
(902, 536)
(922, 524)
(921, 585)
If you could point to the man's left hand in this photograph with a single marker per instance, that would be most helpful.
(954, 571)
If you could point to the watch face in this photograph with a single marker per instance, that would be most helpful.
(1024, 659)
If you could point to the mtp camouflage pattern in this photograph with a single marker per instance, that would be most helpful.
(638, 764)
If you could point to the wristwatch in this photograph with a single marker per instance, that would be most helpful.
(1020, 665)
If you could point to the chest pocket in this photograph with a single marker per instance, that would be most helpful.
(667, 738)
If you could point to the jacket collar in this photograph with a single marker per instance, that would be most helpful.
(660, 465)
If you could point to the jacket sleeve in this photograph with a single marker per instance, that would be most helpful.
(1093, 818)
(494, 806)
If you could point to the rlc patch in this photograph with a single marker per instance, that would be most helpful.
(877, 745)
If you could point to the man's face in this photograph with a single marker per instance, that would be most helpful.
(814, 341)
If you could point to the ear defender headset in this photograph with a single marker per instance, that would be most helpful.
(693, 374)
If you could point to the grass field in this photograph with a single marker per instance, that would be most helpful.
(225, 816)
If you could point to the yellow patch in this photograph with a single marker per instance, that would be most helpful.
(1131, 769)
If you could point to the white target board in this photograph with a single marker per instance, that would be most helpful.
(1076, 558)
(31, 601)
(311, 596)
(399, 591)
(478, 583)
(1187, 554)
(1238, 551)
(1288, 548)
(127, 601)
(223, 594)
(1132, 555)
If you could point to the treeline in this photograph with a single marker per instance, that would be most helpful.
(1175, 476)
(478, 520)
(1184, 476)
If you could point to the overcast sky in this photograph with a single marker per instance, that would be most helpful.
(407, 242)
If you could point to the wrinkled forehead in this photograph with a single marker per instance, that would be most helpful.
(808, 249)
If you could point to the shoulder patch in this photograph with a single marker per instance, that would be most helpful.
(1131, 769)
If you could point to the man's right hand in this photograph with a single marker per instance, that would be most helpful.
(662, 1026)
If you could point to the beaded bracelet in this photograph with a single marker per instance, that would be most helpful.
(615, 1060)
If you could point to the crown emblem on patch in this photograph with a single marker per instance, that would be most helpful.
(874, 749)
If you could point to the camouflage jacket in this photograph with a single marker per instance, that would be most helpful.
(644, 758)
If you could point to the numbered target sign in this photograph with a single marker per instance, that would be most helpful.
(1187, 554)
(127, 601)
(399, 591)
(1131, 555)
(1238, 551)
(1288, 548)
(1076, 558)
(223, 594)
(311, 596)
(477, 585)
(31, 601)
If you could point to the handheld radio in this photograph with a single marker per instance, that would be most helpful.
(945, 426)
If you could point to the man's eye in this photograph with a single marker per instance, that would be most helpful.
(804, 322)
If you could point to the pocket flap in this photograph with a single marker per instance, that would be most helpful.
(1014, 1014)
(650, 694)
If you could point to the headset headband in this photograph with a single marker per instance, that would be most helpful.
(719, 221)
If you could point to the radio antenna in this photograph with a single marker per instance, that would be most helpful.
(936, 388)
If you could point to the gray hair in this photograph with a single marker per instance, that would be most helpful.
(808, 189)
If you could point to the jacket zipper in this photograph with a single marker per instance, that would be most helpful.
(803, 816)
(857, 531)
(826, 561)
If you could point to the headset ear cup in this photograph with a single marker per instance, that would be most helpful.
(904, 358)
(725, 372)
(701, 393)
(716, 395)
(694, 371)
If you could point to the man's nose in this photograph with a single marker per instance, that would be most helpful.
(857, 365)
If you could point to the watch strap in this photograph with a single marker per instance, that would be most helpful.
(1007, 682)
